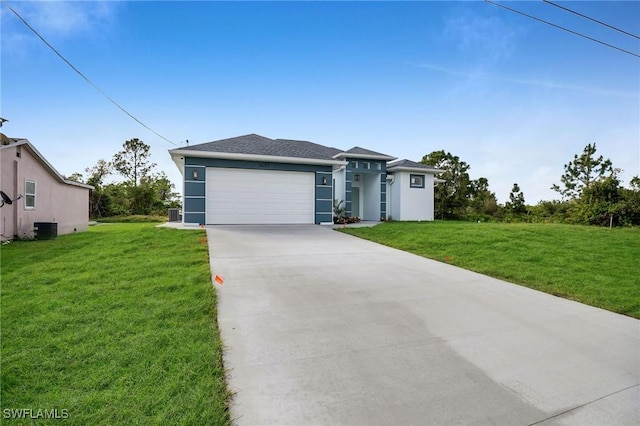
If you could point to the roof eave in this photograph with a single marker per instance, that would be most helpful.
(177, 153)
(80, 184)
(414, 169)
(46, 164)
(365, 156)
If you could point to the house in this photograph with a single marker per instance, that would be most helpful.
(252, 179)
(39, 193)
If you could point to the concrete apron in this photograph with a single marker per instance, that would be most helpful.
(322, 328)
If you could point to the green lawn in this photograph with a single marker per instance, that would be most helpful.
(596, 266)
(114, 325)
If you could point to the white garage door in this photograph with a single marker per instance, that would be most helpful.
(241, 196)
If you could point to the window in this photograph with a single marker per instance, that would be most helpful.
(366, 165)
(354, 164)
(30, 194)
(379, 166)
(416, 181)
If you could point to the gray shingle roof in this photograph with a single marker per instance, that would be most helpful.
(363, 151)
(260, 145)
(409, 164)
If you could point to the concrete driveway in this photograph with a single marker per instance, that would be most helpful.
(322, 328)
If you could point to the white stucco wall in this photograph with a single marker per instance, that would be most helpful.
(393, 198)
(371, 197)
(67, 205)
(411, 203)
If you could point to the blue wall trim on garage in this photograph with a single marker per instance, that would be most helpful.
(195, 189)
(194, 218)
(193, 210)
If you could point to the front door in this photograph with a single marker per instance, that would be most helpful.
(355, 201)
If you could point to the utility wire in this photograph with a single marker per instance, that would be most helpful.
(84, 76)
(562, 28)
(591, 19)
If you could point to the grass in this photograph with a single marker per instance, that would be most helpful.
(115, 325)
(595, 266)
(138, 218)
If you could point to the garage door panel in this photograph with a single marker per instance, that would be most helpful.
(240, 196)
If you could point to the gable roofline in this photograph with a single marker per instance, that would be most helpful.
(253, 147)
(43, 161)
(363, 153)
(411, 166)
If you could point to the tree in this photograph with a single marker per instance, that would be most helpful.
(516, 201)
(133, 161)
(628, 208)
(98, 173)
(154, 194)
(143, 192)
(598, 204)
(163, 188)
(99, 200)
(451, 196)
(482, 200)
(76, 177)
(580, 173)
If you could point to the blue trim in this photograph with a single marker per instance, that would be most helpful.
(412, 185)
(255, 165)
(193, 205)
(194, 218)
(372, 163)
(323, 202)
(192, 189)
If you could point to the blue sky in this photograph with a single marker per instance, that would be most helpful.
(514, 98)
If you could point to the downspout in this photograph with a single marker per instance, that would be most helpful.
(15, 206)
(390, 180)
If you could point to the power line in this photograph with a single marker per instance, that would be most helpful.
(562, 28)
(84, 76)
(591, 19)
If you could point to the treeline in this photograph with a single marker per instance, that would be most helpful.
(590, 188)
(142, 192)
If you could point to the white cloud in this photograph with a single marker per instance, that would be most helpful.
(488, 38)
(476, 76)
(547, 84)
(56, 21)
(72, 18)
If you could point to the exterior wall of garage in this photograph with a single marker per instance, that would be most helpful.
(194, 206)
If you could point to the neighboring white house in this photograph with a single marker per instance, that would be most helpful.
(39, 193)
(252, 179)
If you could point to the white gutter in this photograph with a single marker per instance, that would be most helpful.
(414, 170)
(365, 156)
